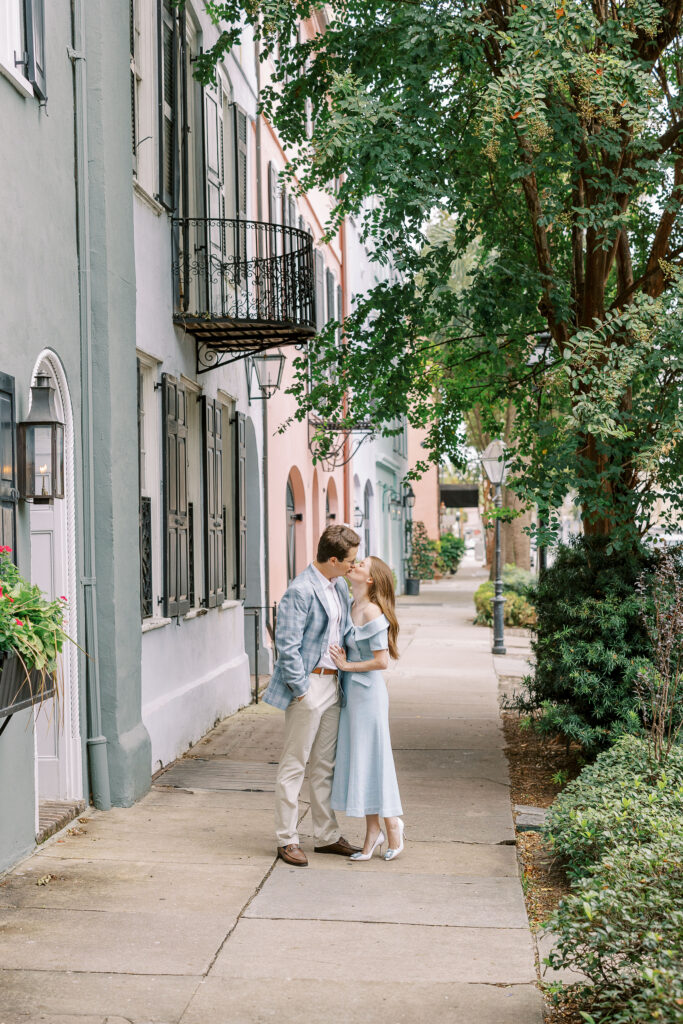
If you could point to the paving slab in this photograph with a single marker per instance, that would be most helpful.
(339, 950)
(129, 886)
(136, 997)
(452, 900)
(444, 765)
(447, 858)
(235, 1001)
(84, 940)
(428, 731)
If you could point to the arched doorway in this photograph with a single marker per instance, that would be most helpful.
(53, 568)
(316, 509)
(296, 541)
(331, 504)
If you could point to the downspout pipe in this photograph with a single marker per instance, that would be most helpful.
(96, 741)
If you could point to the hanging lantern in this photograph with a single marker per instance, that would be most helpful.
(409, 498)
(40, 447)
(268, 367)
(358, 518)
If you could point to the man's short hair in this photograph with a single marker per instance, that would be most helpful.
(336, 542)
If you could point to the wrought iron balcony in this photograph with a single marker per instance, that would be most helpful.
(242, 286)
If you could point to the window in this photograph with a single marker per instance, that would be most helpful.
(319, 290)
(240, 514)
(143, 93)
(149, 485)
(22, 44)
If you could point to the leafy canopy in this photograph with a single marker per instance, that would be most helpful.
(548, 133)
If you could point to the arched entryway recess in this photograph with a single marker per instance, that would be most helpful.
(254, 594)
(331, 504)
(296, 538)
(58, 754)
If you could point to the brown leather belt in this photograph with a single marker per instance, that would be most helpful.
(324, 672)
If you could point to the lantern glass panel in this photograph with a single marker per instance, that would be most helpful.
(40, 469)
(59, 461)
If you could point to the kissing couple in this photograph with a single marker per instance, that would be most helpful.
(328, 680)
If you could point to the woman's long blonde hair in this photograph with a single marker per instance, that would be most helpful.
(381, 593)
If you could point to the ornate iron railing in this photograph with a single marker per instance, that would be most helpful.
(241, 281)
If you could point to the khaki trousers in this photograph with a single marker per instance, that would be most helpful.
(311, 727)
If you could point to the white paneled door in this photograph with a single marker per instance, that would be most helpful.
(57, 733)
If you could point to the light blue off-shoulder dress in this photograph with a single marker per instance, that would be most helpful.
(364, 774)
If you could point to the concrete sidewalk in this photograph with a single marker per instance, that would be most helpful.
(175, 911)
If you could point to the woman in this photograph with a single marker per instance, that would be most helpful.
(364, 776)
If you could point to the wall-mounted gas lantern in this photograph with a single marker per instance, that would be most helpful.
(40, 447)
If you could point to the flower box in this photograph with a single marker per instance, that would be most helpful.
(22, 687)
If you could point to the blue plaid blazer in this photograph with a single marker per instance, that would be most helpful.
(302, 635)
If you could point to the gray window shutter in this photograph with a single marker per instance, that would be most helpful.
(329, 282)
(176, 517)
(240, 506)
(8, 466)
(272, 195)
(133, 85)
(214, 538)
(35, 46)
(241, 172)
(167, 60)
(340, 314)
(319, 290)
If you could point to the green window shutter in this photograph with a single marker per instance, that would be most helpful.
(214, 537)
(240, 506)
(176, 516)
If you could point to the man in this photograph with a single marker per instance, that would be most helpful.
(313, 614)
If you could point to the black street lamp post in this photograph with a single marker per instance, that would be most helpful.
(493, 463)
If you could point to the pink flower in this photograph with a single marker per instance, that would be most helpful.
(1, 593)
(19, 622)
(62, 598)
(3, 549)
(11, 600)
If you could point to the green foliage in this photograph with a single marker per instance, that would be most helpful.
(421, 560)
(619, 829)
(615, 800)
(546, 139)
(451, 550)
(30, 626)
(590, 643)
(622, 927)
(518, 609)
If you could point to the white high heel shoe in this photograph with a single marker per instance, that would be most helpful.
(379, 841)
(393, 854)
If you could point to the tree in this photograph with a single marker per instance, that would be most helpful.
(550, 131)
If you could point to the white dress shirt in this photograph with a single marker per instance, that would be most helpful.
(329, 591)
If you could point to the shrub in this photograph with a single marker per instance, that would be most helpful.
(518, 609)
(615, 800)
(421, 561)
(622, 926)
(452, 549)
(590, 642)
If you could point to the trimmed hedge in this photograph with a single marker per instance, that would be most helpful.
(619, 829)
(518, 609)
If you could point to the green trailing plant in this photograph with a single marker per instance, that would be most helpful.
(421, 560)
(31, 627)
(589, 645)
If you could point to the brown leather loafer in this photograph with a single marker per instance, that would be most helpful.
(341, 847)
(293, 854)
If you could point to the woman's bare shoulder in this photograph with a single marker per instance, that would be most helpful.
(371, 613)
